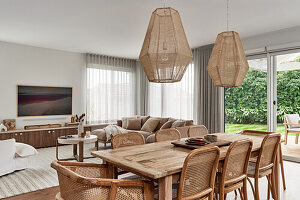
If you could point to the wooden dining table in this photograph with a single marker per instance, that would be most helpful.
(161, 161)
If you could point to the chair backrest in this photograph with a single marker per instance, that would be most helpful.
(198, 173)
(197, 130)
(236, 162)
(87, 181)
(268, 151)
(184, 131)
(167, 135)
(292, 119)
(127, 139)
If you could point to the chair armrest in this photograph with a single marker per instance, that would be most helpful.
(290, 124)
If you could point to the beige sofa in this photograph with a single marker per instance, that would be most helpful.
(148, 135)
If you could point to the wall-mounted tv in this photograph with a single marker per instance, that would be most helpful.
(44, 100)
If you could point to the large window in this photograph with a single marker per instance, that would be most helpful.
(173, 99)
(110, 92)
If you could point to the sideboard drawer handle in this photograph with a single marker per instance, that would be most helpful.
(21, 133)
(16, 134)
(49, 131)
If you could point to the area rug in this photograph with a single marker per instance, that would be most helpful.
(291, 158)
(39, 175)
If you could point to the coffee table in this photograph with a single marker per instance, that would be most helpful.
(76, 141)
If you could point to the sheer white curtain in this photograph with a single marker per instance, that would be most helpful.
(110, 88)
(173, 99)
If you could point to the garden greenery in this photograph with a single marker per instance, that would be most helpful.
(248, 103)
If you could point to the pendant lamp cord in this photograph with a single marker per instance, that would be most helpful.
(165, 2)
(227, 15)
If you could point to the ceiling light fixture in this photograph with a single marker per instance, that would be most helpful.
(228, 64)
(165, 53)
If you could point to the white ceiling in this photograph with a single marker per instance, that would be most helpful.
(118, 27)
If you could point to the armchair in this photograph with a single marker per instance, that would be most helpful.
(292, 125)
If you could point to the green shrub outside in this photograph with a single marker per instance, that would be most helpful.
(248, 103)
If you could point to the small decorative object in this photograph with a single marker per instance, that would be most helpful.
(80, 130)
(68, 124)
(83, 134)
(197, 141)
(10, 124)
(3, 128)
(80, 119)
(88, 134)
(228, 64)
(166, 53)
(211, 138)
(73, 120)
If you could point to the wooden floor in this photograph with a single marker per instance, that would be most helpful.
(46, 194)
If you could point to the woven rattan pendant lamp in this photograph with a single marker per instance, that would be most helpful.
(165, 53)
(227, 64)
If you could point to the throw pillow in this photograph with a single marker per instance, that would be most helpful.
(161, 123)
(189, 122)
(134, 124)
(178, 123)
(144, 119)
(124, 121)
(24, 150)
(150, 125)
(167, 125)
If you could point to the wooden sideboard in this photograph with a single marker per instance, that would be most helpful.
(40, 138)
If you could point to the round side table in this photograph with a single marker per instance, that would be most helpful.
(76, 141)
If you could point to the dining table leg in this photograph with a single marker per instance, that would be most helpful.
(165, 188)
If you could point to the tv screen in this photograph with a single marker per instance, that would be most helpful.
(44, 101)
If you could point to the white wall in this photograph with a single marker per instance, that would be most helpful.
(20, 64)
(282, 38)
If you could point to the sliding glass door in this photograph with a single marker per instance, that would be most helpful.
(246, 106)
(288, 86)
(270, 90)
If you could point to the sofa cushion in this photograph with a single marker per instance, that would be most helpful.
(167, 125)
(293, 119)
(144, 119)
(100, 133)
(161, 123)
(134, 124)
(178, 123)
(25, 150)
(189, 123)
(144, 133)
(124, 121)
(119, 123)
(150, 124)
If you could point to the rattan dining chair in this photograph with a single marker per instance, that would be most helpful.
(197, 130)
(167, 135)
(198, 174)
(255, 132)
(88, 181)
(264, 165)
(125, 140)
(233, 175)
